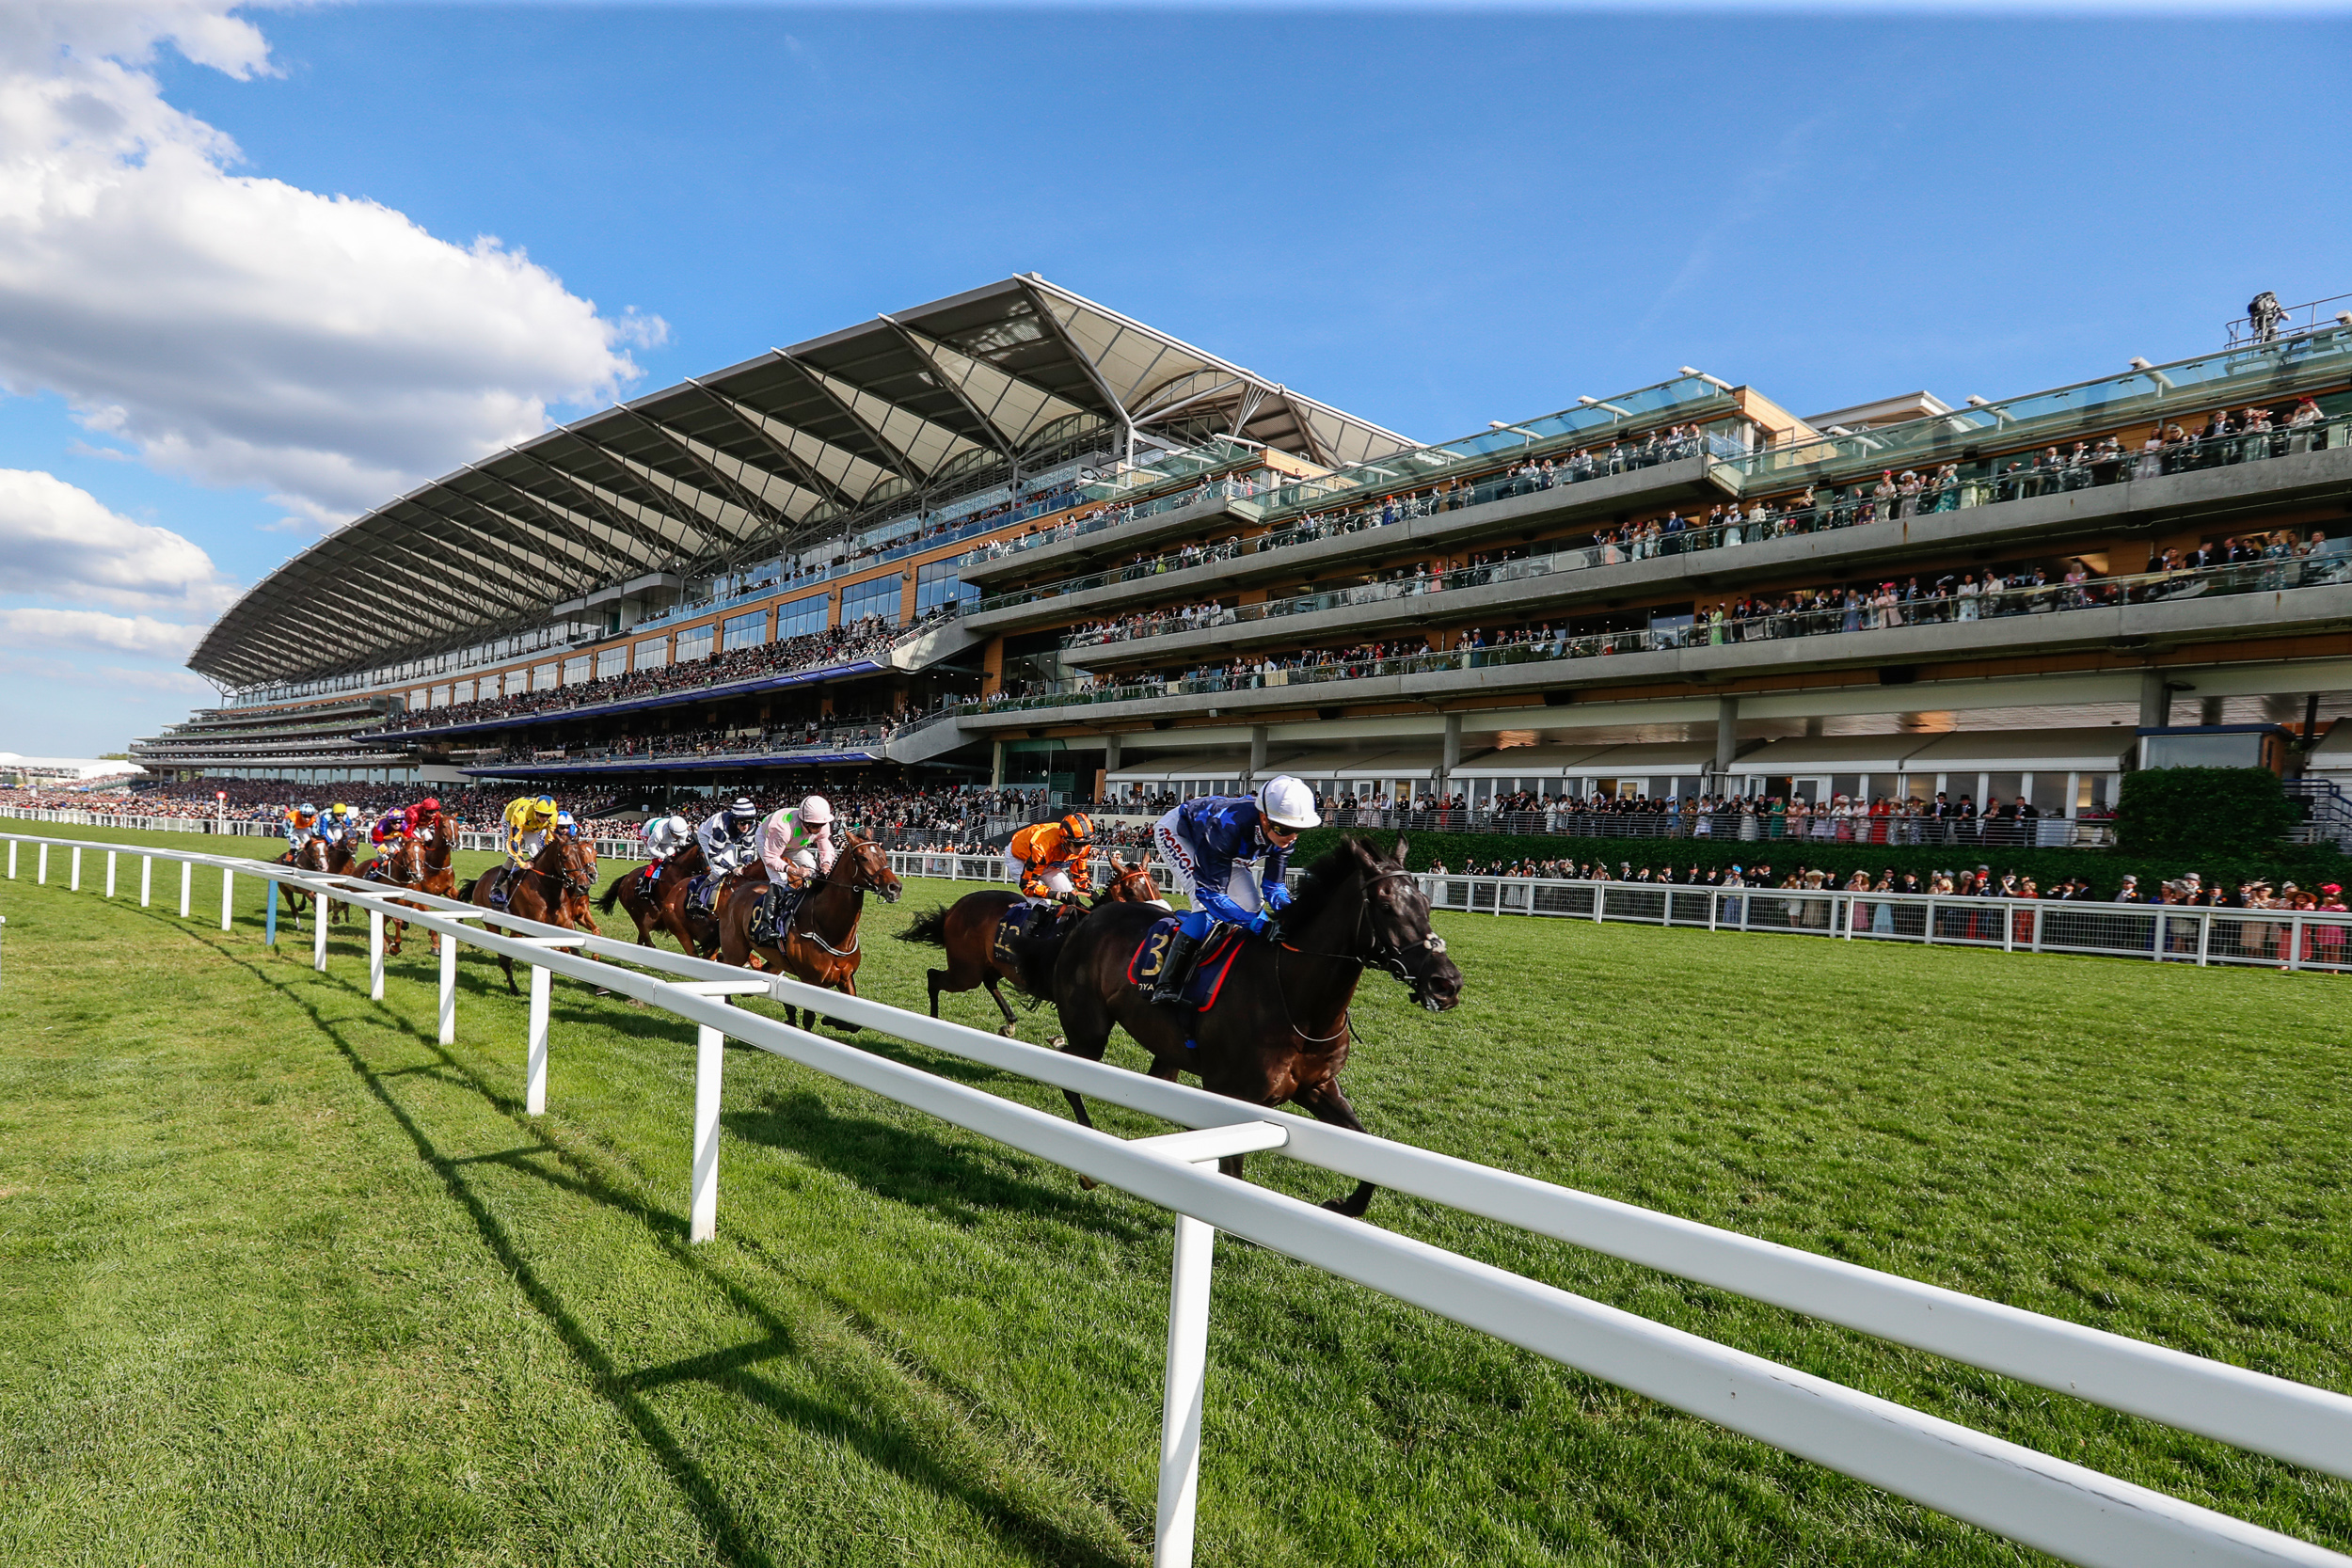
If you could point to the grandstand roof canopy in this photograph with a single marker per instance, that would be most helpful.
(725, 470)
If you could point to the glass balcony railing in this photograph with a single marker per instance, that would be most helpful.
(1570, 426)
(1994, 485)
(1383, 513)
(2255, 373)
(1251, 487)
(2274, 571)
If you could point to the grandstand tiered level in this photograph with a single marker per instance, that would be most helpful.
(1015, 539)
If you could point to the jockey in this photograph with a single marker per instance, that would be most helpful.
(1049, 859)
(786, 889)
(665, 836)
(342, 825)
(807, 826)
(529, 820)
(1211, 843)
(416, 815)
(302, 826)
(797, 834)
(729, 837)
(389, 832)
(566, 824)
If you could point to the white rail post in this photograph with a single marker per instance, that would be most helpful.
(147, 880)
(73, 882)
(228, 885)
(1926, 925)
(1714, 907)
(2037, 927)
(1187, 1380)
(2008, 927)
(2294, 942)
(187, 884)
(2204, 938)
(376, 955)
(41, 867)
(11, 860)
(710, 1055)
(535, 1053)
(110, 872)
(1600, 897)
(318, 932)
(448, 990)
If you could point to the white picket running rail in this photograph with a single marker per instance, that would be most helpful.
(2168, 933)
(2061, 1508)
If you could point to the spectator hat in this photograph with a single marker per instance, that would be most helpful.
(2331, 889)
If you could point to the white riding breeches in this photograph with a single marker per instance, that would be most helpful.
(1057, 880)
(1184, 860)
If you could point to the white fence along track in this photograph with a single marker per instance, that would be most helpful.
(2168, 933)
(2058, 1507)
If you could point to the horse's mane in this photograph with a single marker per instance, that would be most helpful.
(1325, 878)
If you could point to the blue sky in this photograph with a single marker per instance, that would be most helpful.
(1430, 219)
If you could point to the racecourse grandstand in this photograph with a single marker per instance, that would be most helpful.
(1015, 540)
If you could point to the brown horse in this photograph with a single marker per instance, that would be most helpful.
(420, 860)
(663, 908)
(968, 932)
(821, 945)
(336, 858)
(543, 891)
(1279, 1030)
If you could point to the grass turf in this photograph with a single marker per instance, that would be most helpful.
(282, 1280)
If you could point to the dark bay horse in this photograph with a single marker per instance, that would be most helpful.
(333, 860)
(665, 908)
(821, 945)
(1279, 1030)
(967, 931)
(565, 870)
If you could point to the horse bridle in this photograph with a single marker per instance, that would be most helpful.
(1388, 958)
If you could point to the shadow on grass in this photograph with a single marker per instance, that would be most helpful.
(854, 1418)
(902, 1166)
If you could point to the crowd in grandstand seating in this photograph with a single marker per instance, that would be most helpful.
(1840, 819)
(747, 740)
(868, 638)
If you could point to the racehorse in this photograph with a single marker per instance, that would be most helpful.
(421, 862)
(1280, 1029)
(968, 932)
(543, 891)
(821, 945)
(333, 860)
(666, 909)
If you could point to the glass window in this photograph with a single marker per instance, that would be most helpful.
(799, 617)
(652, 653)
(937, 584)
(575, 669)
(462, 693)
(874, 597)
(694, 643)
(747, 630)
(440, 696)
(542, 677)
(612, 661)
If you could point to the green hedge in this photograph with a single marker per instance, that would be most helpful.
(2104, 869)
(2219, 811)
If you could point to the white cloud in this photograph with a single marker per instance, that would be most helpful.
(56, 630)
(240, 331)
(61, 542)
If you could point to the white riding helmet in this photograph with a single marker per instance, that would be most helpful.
(815, 812)
(1286, 802)
(677, 824)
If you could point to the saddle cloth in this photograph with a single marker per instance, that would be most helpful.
(773, 914)
(1010, 927)
(1218, 953)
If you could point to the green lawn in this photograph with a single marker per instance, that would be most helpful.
(283, 1281)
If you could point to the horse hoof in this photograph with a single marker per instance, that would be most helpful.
(1009, 1032)
(1339, 1205)
(1085, 1183)
(1056, 1043)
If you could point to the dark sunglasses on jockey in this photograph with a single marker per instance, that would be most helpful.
(1280, 834)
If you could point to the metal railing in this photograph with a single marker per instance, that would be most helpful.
(2064, 1509)
(1118, 514)
(2166, 933)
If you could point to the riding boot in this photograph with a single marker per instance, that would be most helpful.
(1176, 968)
(499, 893)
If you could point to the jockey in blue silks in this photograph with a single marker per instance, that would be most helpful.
(1228, 854)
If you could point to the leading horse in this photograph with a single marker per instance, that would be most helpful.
(1280, 1029)
(821, 945)
(968, 929)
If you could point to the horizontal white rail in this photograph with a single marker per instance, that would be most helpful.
(2057, 1507)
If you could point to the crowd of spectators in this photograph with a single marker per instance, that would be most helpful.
(868, 638)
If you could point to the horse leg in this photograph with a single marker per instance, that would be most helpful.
(1327, 1101)
(933, 976)
(1002, 1006)
(508, 964)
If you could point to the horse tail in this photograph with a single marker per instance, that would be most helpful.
(930, 926)
(611, 894)
(465, 895)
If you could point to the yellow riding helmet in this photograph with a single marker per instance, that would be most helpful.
(1079, 826)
